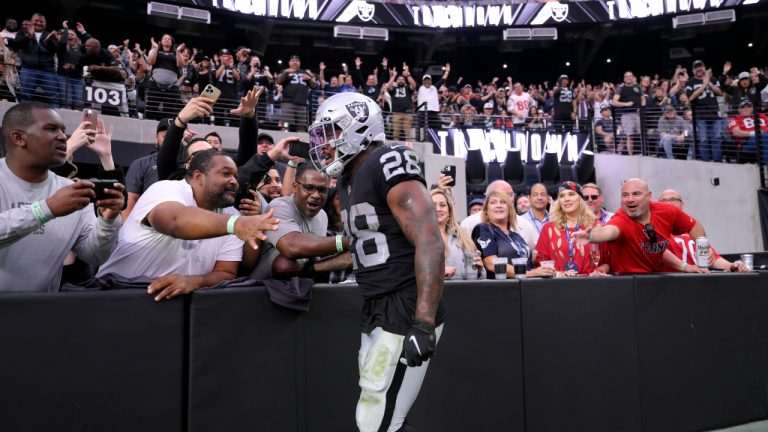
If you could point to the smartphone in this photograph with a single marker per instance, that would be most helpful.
(92, 116)
(211, 92)
(450, 171)
(299, 148)
(100, 185)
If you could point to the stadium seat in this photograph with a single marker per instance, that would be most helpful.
(477, 180)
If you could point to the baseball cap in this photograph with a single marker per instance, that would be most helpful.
(242, 48)
(469, 86)
(605, 108)
(164, 124)
(265, 136)
(452, 89)
(698, 63)
(475, 201)
(426, 76)
(294, 57)
(488, 105)
(745, 103)
(562, 77)
(569, 185)
(112, 47)
(743, 75)
(205, 57)
(224, 51)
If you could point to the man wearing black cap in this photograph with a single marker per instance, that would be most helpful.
(742, 129)
(296, 84)
(563, 103)
(674, 134)
(143, 171)
(702, 93)
(226, 79)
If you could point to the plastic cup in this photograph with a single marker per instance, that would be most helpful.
(749, 261)
(470, 271)
(521, 265)
(500, 267)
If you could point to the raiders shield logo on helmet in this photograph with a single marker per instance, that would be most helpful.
(358, 110)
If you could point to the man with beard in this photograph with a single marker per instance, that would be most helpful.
(184, 235)
(402, 102)
(640, 231)
(303, 225)
(107, 73)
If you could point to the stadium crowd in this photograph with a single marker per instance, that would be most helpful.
(189, 216)
(654, 114)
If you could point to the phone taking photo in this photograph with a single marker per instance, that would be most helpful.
(92, 116)
(299, 148)
(211, 93)
(99, 186)
(450, 171)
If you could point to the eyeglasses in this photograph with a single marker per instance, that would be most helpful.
(670, 200)
(310, 189)
(591, 197)
(650, 232)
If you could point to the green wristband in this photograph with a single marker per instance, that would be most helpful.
(339, 243)
(292, 164)
(37, 210)
(231, 224)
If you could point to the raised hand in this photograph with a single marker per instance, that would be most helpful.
(248, 102)
(154, 43)
(358, 62)
(196, 107)
(251, 228)
(80, 28)
(82, 136)
(322, 66)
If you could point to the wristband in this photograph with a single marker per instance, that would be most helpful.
(231, 224)
(181, 121)
(590, 236)
(339, 243)
(292, 164)
(683, 265)
(40, 215)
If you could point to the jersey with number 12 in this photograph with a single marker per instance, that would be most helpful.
(382, 256)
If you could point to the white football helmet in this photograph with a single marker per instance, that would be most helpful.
(345, 124)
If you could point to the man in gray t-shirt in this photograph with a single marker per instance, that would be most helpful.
(675, 133)
(44, 216)
(303, 225)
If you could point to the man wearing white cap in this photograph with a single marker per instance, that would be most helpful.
(428, 94)
(743, 89)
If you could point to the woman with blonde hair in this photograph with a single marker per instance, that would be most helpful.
(570, 213)
(457, 243)
(496, 236)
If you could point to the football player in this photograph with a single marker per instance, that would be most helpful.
(397, 254)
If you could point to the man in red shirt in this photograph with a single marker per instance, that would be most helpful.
(683, 247)
(742, 129)
(640, 231)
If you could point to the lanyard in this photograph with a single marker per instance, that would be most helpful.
(568, 238)
(536, 222)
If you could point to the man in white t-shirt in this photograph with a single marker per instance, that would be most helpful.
(518, 104)
(524, 226)
(184, 235)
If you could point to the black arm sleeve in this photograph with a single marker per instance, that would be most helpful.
(383, 77)
(248, 131)
(357, 77)
(167, 157)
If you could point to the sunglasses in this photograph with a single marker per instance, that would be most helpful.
(310, 189)
(591, 197)
(670, 200)
(650, 232)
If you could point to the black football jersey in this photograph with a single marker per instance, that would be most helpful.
(382, 256)
(563, 101)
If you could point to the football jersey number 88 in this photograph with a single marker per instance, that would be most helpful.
(365, 235)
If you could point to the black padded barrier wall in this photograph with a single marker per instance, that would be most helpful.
(580, 350)
(108, 361)
(702, 343)
(632, 353)
(475, 383)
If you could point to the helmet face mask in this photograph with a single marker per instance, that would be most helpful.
(345, 124)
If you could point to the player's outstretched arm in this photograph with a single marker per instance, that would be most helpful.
(412, 207)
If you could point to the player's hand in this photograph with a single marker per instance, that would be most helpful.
(251, 228)
(70, 199)
(111, 207)
(419, 344)
(170, 286)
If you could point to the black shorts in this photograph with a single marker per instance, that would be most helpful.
(395, 312)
